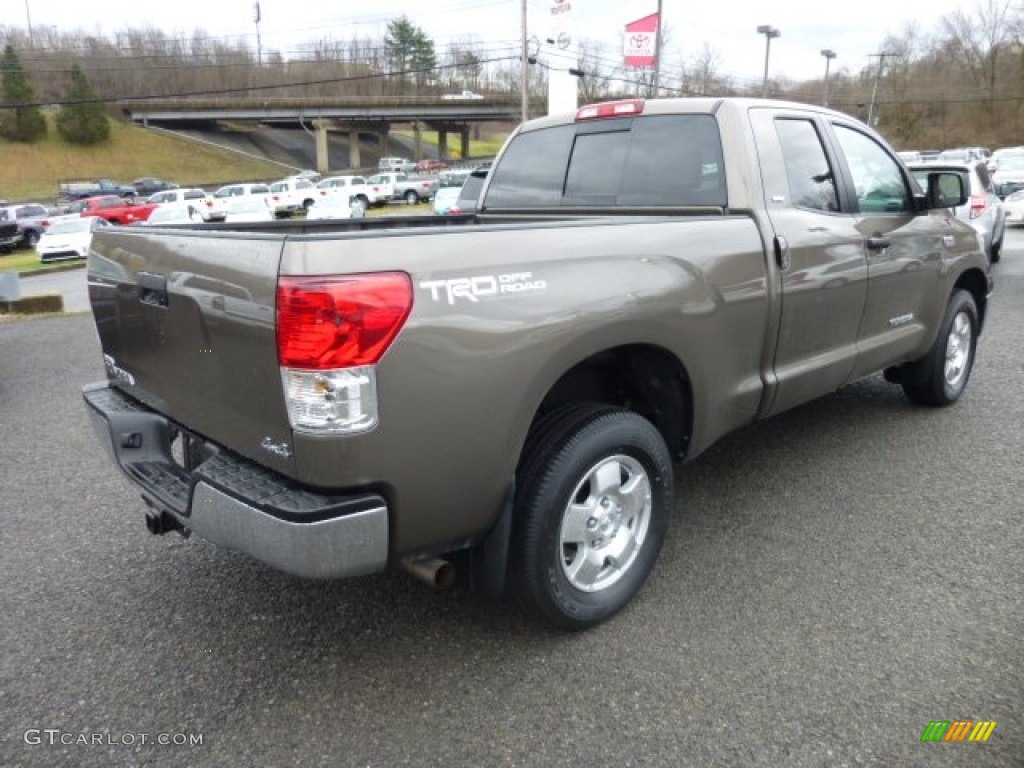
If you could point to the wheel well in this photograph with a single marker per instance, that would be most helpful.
(645, 379)
(976, 284)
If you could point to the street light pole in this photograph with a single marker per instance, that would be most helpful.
(829, 54)
(874, 90)
(28, 16)
(657, 51)
(525, 81)
(769, 32)
(259, 42)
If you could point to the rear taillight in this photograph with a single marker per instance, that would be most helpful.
(610, 109)
(978, 205)
(340, 322)
(331, 332)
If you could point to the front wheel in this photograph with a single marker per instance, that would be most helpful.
(941, 375)
(594, 494)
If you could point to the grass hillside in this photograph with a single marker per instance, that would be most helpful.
(32, 171)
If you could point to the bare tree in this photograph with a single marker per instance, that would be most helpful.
(978, 38)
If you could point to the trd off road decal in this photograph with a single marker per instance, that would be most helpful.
(483, 287)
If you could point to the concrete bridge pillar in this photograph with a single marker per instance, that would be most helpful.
(322, 157)
(464, 135)
(442, 144)
(354, 159)
(417, 136)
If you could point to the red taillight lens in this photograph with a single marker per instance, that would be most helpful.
(339, 322)
(978, 205)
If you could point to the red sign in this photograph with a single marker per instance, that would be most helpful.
(640, 45)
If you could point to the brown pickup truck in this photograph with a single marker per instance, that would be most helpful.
(510, 392)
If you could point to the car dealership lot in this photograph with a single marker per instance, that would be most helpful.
(834, 579)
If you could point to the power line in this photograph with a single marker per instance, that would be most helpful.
(246, 89)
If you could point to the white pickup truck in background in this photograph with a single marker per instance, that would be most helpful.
(401, 186)
(356, 187)
(291, 195)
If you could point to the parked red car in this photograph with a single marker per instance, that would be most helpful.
(113, 209)
(428, 166)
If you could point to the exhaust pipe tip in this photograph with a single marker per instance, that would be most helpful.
(434, 571)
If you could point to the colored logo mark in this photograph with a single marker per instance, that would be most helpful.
(958, 730)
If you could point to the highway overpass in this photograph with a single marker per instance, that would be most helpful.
(351, 115)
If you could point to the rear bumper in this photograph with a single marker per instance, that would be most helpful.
(235, 503)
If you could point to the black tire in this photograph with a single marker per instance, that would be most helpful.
(31, 238)
(941, 376)
(411, 198)
(307, 204)
(595, 485)
(996, 251)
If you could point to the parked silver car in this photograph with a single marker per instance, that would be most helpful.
(1008, 176)
(983, 211)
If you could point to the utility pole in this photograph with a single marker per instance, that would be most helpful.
(874, 90)
(525, 83)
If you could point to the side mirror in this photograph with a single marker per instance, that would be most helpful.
(946, 190)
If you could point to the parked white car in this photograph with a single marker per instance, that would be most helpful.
(177, 213)
(291, 195)
(355, 186)
(1014, 207)
(199, 199)
(68, 237)
(234, 197)
(446, 200)
(336, 206)
(251, 208)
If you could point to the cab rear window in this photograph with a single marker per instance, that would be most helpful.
(656, 160)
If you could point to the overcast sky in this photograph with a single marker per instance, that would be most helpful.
(852, 29)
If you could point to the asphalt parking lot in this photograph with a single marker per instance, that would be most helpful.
(834, 580)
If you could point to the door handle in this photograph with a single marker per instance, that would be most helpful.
(878, 243)
(782, 252)
(152, 289)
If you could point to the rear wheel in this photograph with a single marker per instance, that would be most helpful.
(593, 500)
(31, 238)
(411, 198)
(940, 377)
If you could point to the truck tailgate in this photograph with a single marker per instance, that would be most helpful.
(187, 325)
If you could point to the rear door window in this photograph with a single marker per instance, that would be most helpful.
(811, 181)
